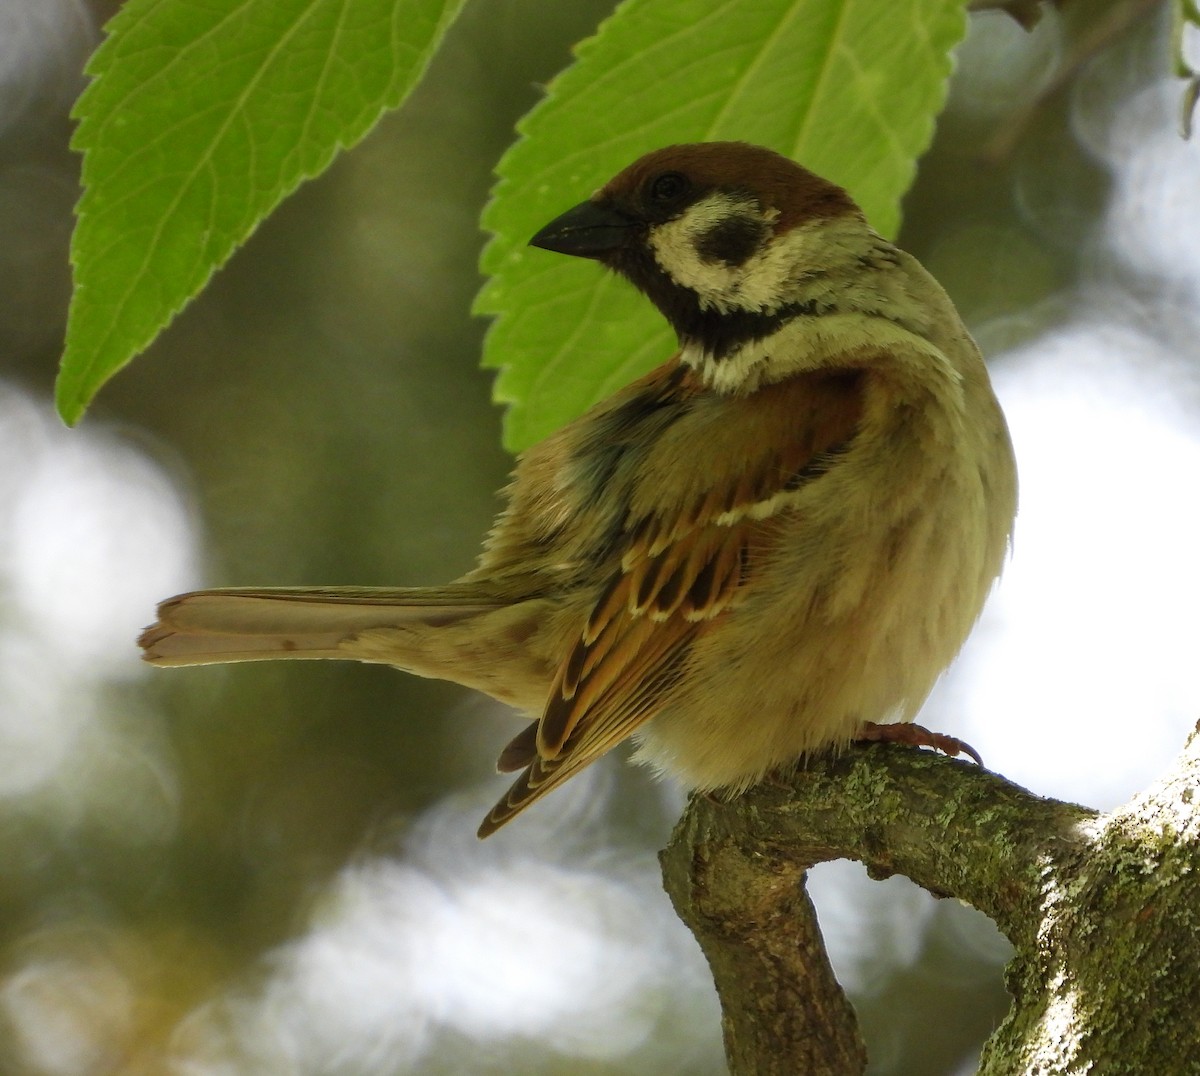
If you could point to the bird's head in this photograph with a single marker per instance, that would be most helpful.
(729, 240)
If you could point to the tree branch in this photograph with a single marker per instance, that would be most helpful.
(1103, 910)
(782, 1009)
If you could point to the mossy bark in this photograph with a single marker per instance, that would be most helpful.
(1103, 909)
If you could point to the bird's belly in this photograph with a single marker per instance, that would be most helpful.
(780, 679)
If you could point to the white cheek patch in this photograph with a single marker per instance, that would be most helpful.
(677, 245)
(772, 276)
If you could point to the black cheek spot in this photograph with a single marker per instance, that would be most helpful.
(732, 241)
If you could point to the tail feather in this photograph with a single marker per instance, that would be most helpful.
(211, 626)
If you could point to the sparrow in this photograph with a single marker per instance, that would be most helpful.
(772, 544)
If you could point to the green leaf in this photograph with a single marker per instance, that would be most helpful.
(850, 88)
(202, 116)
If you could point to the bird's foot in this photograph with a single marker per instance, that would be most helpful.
(906, 732)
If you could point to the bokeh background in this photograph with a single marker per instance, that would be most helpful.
(273, 870)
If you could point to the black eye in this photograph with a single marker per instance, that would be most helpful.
(668, 187)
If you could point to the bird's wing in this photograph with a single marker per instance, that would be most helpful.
(689, 547)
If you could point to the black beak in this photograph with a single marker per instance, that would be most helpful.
(590, 230)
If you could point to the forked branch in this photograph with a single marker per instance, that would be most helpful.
(1104, 910)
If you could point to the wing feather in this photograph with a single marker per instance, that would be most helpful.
(684, 562)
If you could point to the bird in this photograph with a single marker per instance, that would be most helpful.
(771, 545)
